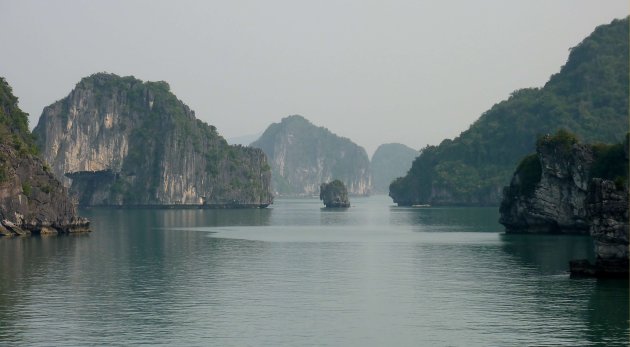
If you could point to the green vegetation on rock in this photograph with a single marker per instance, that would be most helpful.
(14, 122)
(31, 198)
(530, 171)
(562, 140)
(588, 97)
(611, 162)
(334, 194)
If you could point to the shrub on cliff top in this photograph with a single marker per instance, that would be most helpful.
(562, 139)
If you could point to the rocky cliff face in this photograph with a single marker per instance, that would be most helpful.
(31, 199)
(120, 141)
(303, 155)
(548, 191)
(569, 187)
(607, 212)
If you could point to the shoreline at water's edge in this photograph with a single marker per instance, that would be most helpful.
(180, 206)
(75, 225)
(444, 205)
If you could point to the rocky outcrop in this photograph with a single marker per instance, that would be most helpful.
(548, 190)
(607, 213)
(31, 199)
(567, 187)
(123, 142)
(334, 194)
(390, 161)
(303, 155)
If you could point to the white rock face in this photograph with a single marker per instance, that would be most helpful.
(86, 138)
(125, 141)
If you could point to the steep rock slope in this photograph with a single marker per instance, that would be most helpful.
(121, 141)
(607, 211)
(568, 187)
(303, 156)
(549, 190)
(589, 97)
(31, 199)
(390, 161)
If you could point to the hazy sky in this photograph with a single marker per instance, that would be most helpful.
(413, 72)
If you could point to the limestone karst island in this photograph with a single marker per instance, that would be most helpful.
(334, 194)
(118, 141)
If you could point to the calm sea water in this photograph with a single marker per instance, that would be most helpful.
(297, 275)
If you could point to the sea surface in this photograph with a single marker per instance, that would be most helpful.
(296, 274)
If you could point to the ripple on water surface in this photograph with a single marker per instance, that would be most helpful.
(297, 274)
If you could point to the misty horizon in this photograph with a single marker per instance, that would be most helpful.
(374, 73)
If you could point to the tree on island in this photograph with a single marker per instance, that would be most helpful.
(334, 194)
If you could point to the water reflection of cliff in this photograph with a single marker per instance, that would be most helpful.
(25, 263)
(600, 306)
(607, 314)
(472, 219)
(128, 274)
(547, 253)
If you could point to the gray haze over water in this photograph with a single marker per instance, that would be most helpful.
(413, 72)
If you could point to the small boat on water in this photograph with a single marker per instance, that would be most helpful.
(421, 205)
